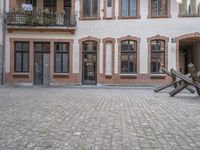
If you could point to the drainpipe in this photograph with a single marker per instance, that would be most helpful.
(4, 43)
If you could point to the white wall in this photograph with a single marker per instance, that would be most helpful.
(1, 15)
(142, 28)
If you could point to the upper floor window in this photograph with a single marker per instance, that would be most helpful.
(128, 56)
(190, 8)
(61, 61)
(109, 9)
(109, 3)
(21, 57)
(129, 8)
(90, 8)
(159, 8)
(157, 55)
(32, 2)
(50, 5)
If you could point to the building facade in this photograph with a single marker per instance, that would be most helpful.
(60, 42)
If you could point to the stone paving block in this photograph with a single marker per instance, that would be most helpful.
(97, 119)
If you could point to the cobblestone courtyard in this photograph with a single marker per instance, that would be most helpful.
(97, 119)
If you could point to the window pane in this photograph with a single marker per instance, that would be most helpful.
(46, 47)
(65, 62)
(163, 8)
(25, 46)
(94, 8)
(85, 47)
(90, 46)
(67, 3)
(109, 3)
(128, 45)
(18, 46)
(133, 8)
(18, 61)
(159, 7)
(157, 62)
(194, 6)
(190, 7)
(124, 8)
(50, 5)
(38, 47)
(158, 45)
(58, 63)
(94, 46)
(65, 47)
(124, 63)
(58, 47)
(86, 8)
(133, 63)
(25, 62)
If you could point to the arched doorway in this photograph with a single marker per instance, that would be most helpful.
(89, 62)
(188, 51)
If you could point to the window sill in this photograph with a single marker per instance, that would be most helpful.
(109, 18)
(20, 75)
(187, 16)
(157, 76)
(128, 76)
(158, 17)
(61, 75)
(129, 17)
(90, 18)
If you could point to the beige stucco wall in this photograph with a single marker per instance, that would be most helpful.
(142, 28)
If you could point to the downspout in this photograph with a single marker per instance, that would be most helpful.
(4, 43)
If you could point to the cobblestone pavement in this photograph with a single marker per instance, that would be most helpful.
(97, 119)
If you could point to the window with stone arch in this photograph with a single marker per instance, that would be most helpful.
(157, 56)
(158, 51)
(128, 56)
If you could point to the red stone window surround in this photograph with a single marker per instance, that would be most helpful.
(181, 14)
(89, 38)
(157, 38)
(168, 11)
(21, 64)
(70, 42)
(113, 9)
(89, 18)
(105, 41)
(131, 38)
(137, 16)
(31, 56)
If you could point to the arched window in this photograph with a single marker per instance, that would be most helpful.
(128, 56)
(157, 55)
